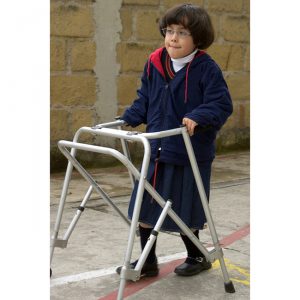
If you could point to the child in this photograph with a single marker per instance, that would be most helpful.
(181, 84)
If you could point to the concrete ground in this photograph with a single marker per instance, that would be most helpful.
(86, 268)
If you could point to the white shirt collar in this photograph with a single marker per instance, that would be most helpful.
(179, 63)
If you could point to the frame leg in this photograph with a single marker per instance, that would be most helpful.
(134, 221)
(127, 154)
(228, 284)
(61, 207)
(229, 287)
(62, 200)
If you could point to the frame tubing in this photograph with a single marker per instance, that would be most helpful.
(152, 238)
(200, 187)
(129, 135)
(136, 211)
(78, 214)
(204, 201)
(184, 228)
(67, 181)
(161, 134)
(63, 198)
(111, 124)
(127, 154)
(124, 160)
(90, 179)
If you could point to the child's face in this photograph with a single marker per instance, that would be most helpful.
(177, 44)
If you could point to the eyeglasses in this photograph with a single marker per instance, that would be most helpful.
(170, 32)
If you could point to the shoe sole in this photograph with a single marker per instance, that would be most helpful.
(192, 273)
(149, 274)
(145, 274)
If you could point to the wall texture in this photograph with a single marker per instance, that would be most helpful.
(99, 48)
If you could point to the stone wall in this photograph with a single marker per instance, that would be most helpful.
(73, 82)
(99, 48)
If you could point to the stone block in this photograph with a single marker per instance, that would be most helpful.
(170, 3)
(147, 25)
(83, 55)
(236, 58)
(239, 86)
(226, 139)
(141, 2)
(247, 59)
(233, 119)
(242, 138)
(126, 19)
(247, 114)
(235, 29)
(215, 22)
(126, 86)
(80, 118)
(220, 53)
(71, 20)
(83, 2)
(140, 128)
(57, 54)
(241, 120)
(121, 110)
(225, 5)
(59, 125)
(247, 6)
(133, 56)
(73, 90)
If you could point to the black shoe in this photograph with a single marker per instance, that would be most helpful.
(148, 270)
(193, 266)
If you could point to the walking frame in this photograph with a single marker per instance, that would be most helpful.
(114, 129)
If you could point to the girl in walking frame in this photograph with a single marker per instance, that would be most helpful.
(181, 84)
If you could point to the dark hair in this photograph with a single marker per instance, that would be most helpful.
(193, 18)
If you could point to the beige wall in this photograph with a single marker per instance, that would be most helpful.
(98, 50)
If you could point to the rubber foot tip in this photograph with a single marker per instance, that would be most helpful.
(50, 272)
(229, 288)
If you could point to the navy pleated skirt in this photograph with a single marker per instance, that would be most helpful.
(176, 183)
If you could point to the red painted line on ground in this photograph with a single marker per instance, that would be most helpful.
(166, 269)
(133, 287)
(237, 235)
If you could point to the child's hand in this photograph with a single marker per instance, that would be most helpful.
(190, 125)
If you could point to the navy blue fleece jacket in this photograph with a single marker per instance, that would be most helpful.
(198, 91)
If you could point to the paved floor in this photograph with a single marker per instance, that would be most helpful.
(85, 269)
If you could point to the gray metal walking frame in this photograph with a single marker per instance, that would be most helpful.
(114, 129)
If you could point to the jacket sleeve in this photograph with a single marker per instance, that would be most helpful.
(136, 114)
(217, 104)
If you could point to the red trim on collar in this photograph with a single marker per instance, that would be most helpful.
(168, 67)
(155, 59)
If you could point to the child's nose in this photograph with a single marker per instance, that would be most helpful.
(174, 36)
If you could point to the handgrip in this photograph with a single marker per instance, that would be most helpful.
(202, 128)
(198, 128)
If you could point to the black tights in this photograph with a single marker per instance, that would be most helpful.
(192, 250)
(144, 236)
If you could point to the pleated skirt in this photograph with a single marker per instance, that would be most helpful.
(175, 183)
